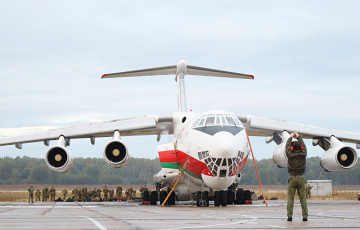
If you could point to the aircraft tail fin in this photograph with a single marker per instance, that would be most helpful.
(179, 70)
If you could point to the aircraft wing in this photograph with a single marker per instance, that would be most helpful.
(146, 125)
(260, 126)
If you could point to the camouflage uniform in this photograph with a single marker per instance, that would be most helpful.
(143, 189)
(52, 194)
(119, 192)
(76, 194)
(129, 192)
(296, 182)
(44, 193)
(38, 195)
(84, 194)
(111, 193)
(64, 192)
(308, 191)
(31, 194)
(106, 193)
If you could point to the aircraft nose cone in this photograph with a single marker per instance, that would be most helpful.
(224, 145)
(218, 183)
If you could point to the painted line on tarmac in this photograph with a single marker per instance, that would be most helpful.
(100, 226)
(344, 217)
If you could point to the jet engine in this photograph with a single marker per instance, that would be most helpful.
(279, 156)
(115, 152)
(58, 157)
(338, 157)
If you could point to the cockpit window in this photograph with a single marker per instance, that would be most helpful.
(210, 120)
(230, 120)
(202, 121)
(217, 120)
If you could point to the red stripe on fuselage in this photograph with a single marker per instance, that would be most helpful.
(168, 156)
(193, 165)
(239, 167)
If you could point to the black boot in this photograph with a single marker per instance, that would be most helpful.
(304, 218)
(289, 218)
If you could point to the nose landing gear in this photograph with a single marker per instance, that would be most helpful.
(202, 199)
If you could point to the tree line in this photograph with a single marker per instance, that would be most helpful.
(25, 170)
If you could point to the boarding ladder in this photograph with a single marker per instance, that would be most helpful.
(173, 186)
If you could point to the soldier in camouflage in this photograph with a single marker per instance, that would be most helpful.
(38, 195)
(64, 192)
(119, 193)
(106, 193)
(31, 193)
(111, 193)
(84, 194)
(76, 194)
(296, 153)
(44, 193)
(52, 194)
(130, 192)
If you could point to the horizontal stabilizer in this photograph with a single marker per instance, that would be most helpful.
(181, 67)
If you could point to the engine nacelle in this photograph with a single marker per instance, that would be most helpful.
(338, 157)
(115, 152)
(279, 156)
(58, 157)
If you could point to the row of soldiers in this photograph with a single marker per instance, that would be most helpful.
(46, 194)
(83, 194)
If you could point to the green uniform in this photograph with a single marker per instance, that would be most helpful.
(118, 191)
(308, 191)
(44, 193)
(38, 195)
(52, 194)
(84, 194)
(143, 189)
(31, 194)
(296, 182)
(111, 193)
(106, 193)
(129, 192)
(76, 194)
(64, 192)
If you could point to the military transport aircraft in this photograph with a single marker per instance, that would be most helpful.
(210, 148)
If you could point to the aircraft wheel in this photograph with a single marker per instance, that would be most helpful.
(206, 198)
(223, 198)
(217, 199)
(247, 195)
(240, 198)
(198, 199)
(153, 197)
(230, 197)
(171, 200)
(145, 196)
(163, 195)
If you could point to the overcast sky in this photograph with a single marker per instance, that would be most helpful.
(304, 55)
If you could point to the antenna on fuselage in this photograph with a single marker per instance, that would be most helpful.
(180, 70)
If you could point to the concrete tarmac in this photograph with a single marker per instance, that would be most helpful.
(112, 215)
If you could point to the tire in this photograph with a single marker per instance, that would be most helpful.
(217, 199)
(206, 198)
(247, 195)
(223, 198)
(240, 198)
(230, 197)
(198, 198)
(163, 195)
(145, 196)
(153, 197)
(171, 200)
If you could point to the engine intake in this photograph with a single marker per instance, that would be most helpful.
(115, 152)
(279, 156)
(338, 157)
(58, 158)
